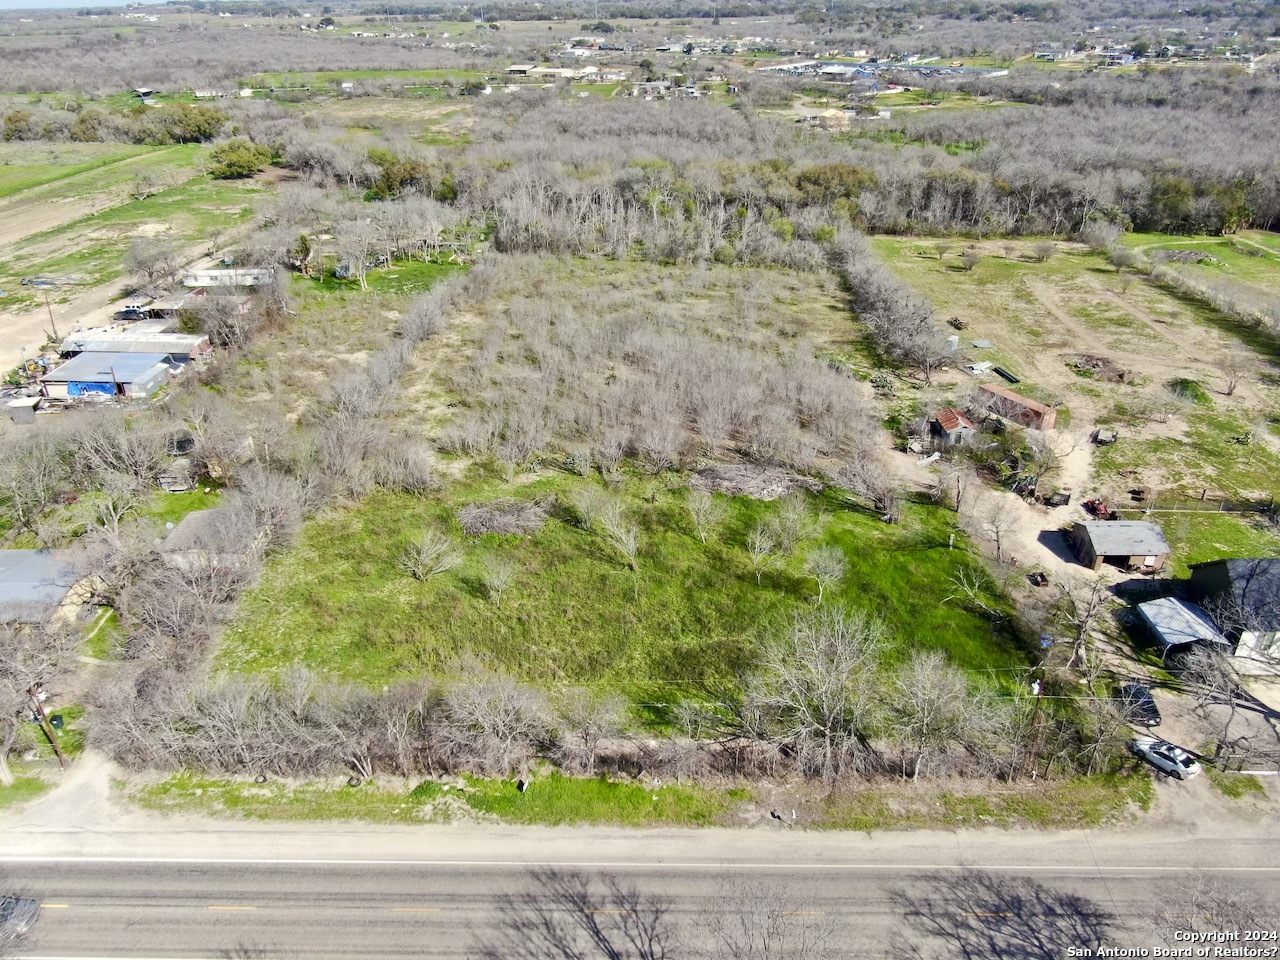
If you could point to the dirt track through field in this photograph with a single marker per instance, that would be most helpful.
(46, 207)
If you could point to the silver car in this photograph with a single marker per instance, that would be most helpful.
(1165, 757)
(17, 916)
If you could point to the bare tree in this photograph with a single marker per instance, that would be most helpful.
(588, 717)
(1213, 681)
(1233, 365)
(816, 691)
(498, 575)
(942, 249)
(1201, 902)
(1044, 250)
(763, 549)
(826, 566)
(932, 705)
(30, 653)
(492, 721)
(997, 521)
(706, 512)
(1082, 602)
(793, 523)
(623, 535)
(970, 258)
(152, 259)
(431, 554)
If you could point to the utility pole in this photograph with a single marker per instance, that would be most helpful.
(45, 725)
(49, 306)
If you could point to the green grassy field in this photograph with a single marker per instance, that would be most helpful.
(24, 166)
(689, 618)
(552, 800)
(24, 790)
(332, 78)
(90, 250)
(1065, 804)
(555, 800)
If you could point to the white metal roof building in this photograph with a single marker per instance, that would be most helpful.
(33, 583)
(1176, 623)
(180, 346)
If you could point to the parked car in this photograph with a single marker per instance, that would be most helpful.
(130, 313)
(1169, 759)
(17, 916)
(1138, 705)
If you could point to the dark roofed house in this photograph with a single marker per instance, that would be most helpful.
(953, 427)
(1178, 627)
(1244, 597)
(34, 583)
(1129, 544)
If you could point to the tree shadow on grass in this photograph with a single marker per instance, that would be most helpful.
(979, 916)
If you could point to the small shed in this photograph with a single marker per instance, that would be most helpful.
(1130, 544)
(953, 427)
(108, 375)
(23, 409)
(1014, 406)
(211, 538)
(179, 476)
(1178, 626)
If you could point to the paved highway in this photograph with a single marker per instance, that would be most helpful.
(334, 892)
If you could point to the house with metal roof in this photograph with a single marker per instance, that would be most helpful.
(952, 427)
(1004, 402)
(34, 583)
(1243, 596)
(131, 375)
(1178, 626)
(1129, 544)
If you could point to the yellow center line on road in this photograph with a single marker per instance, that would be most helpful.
(230, 908)
(55, 906)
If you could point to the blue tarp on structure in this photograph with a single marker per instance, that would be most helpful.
(80, 389)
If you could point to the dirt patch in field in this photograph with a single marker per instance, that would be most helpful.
(749, 480)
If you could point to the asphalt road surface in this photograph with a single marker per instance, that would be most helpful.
(322, 898)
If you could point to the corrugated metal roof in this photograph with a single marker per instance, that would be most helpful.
(107, 368)
(949, 418)
(33, 580)
(1176, 622)
(128, 341)
(1007, 394)
(1125, 538)
(195, 530)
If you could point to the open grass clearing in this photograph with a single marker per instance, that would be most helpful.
(89, 250)
(24, 166)
(1062, 804)
(686, 622)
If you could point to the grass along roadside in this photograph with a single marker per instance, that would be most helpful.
(552, 800)
(568, 801)
(25, 789)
